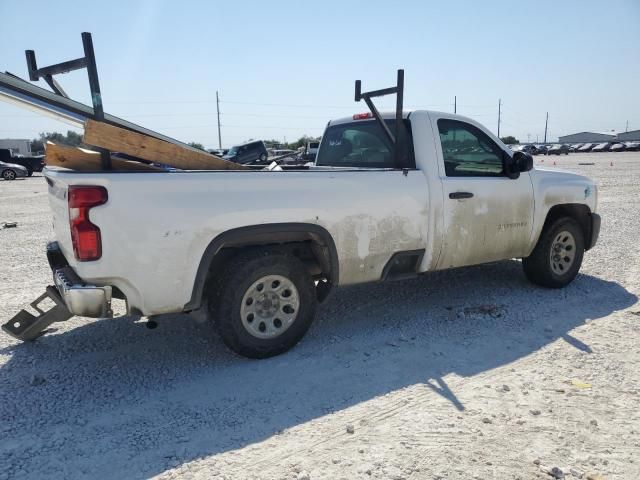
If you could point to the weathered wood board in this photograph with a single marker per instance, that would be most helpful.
(87, 160)
(152, 149)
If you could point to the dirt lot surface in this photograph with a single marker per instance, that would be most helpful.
(466, 374)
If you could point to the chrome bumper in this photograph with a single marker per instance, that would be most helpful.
(82, 299)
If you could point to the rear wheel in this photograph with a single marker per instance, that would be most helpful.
(556, 260)
(263, 303)
(9, 174)
(263, 157)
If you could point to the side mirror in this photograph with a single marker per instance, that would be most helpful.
(523, 161)
(509, 165)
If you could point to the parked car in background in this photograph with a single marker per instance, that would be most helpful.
(633, 146)
(311, 151)
(530, 149)
(586, 147)
(542, 149)
(11, 171)
(575, 147)
(618, 147)
(252, 152)
(602, 147)
(32, 164)
(558, 149)
(219, 152)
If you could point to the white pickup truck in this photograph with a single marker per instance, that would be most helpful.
(258, 249)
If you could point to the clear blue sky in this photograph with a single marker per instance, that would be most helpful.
(283, 68)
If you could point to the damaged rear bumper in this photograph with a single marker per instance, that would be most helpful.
(81, 298)
(70, 295)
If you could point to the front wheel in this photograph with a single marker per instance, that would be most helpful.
(263, 157)
(556, 260)
(263, 303)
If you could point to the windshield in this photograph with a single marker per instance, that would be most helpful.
(233, 151)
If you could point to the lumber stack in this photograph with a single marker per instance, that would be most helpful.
(142, 151)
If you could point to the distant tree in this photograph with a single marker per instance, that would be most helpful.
(197, 145)
(509, 140)
(301, 142)
(73, 139)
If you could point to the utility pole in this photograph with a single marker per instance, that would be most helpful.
(546, 123)
(218, 108)
(626, 129)
(499, 108)
(455, 105)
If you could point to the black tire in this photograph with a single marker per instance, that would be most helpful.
(539, 266)
(263, 157)
(29, 172)
(9, 174)
(227, 296)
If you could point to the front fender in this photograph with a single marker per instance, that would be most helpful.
(557, 188)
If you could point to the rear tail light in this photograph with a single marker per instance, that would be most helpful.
(85, 236)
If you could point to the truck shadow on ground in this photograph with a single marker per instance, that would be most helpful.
(115, 400)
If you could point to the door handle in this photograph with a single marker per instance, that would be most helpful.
(460, 195)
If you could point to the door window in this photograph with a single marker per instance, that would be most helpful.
(468, 151)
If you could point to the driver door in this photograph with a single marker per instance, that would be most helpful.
(487, 216)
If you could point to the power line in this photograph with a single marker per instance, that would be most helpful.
(263, 104)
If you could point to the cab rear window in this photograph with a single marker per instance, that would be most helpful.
(362, 145)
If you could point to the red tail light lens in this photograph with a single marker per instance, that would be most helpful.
(85, 236)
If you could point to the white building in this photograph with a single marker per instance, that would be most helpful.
(587, 137)
(18, 146)
(632, 136)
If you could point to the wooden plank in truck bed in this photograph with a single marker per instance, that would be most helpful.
(152, 149)
(88, 161)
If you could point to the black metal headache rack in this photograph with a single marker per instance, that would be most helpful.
(88, 62)
(398, 140)
(57, 103)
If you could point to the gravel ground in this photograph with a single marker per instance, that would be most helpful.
(472, 373)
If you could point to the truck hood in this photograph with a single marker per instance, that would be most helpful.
(559, 175)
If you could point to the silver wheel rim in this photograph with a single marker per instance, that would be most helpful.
(9, 175)
(270, 306)
(563, 253)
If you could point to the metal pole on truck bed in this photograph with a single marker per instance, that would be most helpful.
(96, 96)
